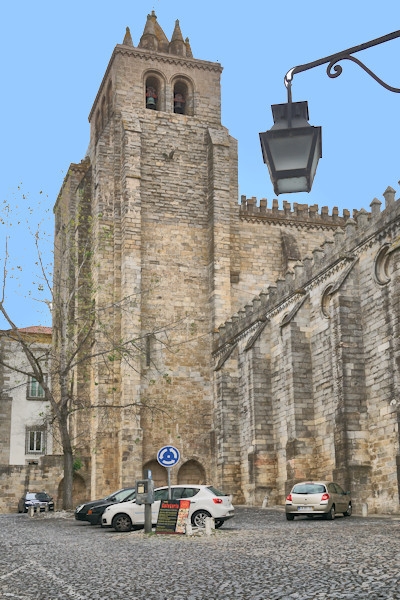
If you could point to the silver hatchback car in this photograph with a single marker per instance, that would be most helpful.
(313, 498)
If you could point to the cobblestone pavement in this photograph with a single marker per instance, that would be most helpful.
(256, 556)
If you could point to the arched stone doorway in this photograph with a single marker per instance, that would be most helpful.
(79, 492)
(192, 472)
(159, 473)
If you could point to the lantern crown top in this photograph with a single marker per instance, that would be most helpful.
(290, 115)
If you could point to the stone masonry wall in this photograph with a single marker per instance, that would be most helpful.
(162, 189)
(5, 411)
(306, 374)
(330, 330)
(16, 480)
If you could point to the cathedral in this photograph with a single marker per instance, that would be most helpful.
(267, 336)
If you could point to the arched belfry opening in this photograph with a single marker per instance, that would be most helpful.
(182, 97)
(153, 93)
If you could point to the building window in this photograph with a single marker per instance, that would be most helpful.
(35, 390)
(382, 266)
(152, 93)
(183, 96)
(180, 95)
(35, 440)
(326, 301)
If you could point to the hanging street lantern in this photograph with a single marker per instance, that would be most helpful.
(292, 147)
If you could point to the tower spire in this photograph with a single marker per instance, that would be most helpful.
(188, 48)
(149, 38)
(128, 38)
(153, 37)
(177, 44)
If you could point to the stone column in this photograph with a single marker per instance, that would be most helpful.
(226, 428)
(351, 426)
(300, 404)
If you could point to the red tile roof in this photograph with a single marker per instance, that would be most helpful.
(36, 329)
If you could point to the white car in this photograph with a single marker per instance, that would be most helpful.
(205, 501)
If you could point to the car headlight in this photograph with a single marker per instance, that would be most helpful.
(78, 508)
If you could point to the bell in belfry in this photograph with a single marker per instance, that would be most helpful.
(179, 104)
(151, 98)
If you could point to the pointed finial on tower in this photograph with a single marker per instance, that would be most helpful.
(128, 38)
(153, 37)
(149, 38)
(188, 48)
(177, 45)
(177, 34)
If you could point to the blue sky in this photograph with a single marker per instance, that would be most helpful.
(53, 57)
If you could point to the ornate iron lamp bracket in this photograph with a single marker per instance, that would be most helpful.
(334, 70)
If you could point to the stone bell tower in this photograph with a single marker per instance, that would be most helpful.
(160, 183)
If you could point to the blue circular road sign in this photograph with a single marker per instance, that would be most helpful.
(168, 456)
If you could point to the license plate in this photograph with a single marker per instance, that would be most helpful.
(304, 508)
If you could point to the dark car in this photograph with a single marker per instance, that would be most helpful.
(39, 500)
(92, 511)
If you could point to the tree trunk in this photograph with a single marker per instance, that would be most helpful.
(67, 501)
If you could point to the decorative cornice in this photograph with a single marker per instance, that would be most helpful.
(173, 59)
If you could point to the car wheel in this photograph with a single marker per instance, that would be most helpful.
(331, 514)
(199, 518)
(289, 517)
(348, 511)
(122, 523)
(218, 523)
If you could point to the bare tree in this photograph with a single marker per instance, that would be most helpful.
(84, 335)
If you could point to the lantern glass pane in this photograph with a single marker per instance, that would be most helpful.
(291, 152)
(292, 184)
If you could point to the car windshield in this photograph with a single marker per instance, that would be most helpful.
(43, 496)
(123, 495)
(30, 496)
(309, 488)
(215, 491)
(129, 497)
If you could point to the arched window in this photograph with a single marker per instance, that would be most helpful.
(382, 266)
(180, 97)
(152, 93)
(326, 301)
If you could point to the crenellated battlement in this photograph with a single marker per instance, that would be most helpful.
(298, 213)
(346, 244)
